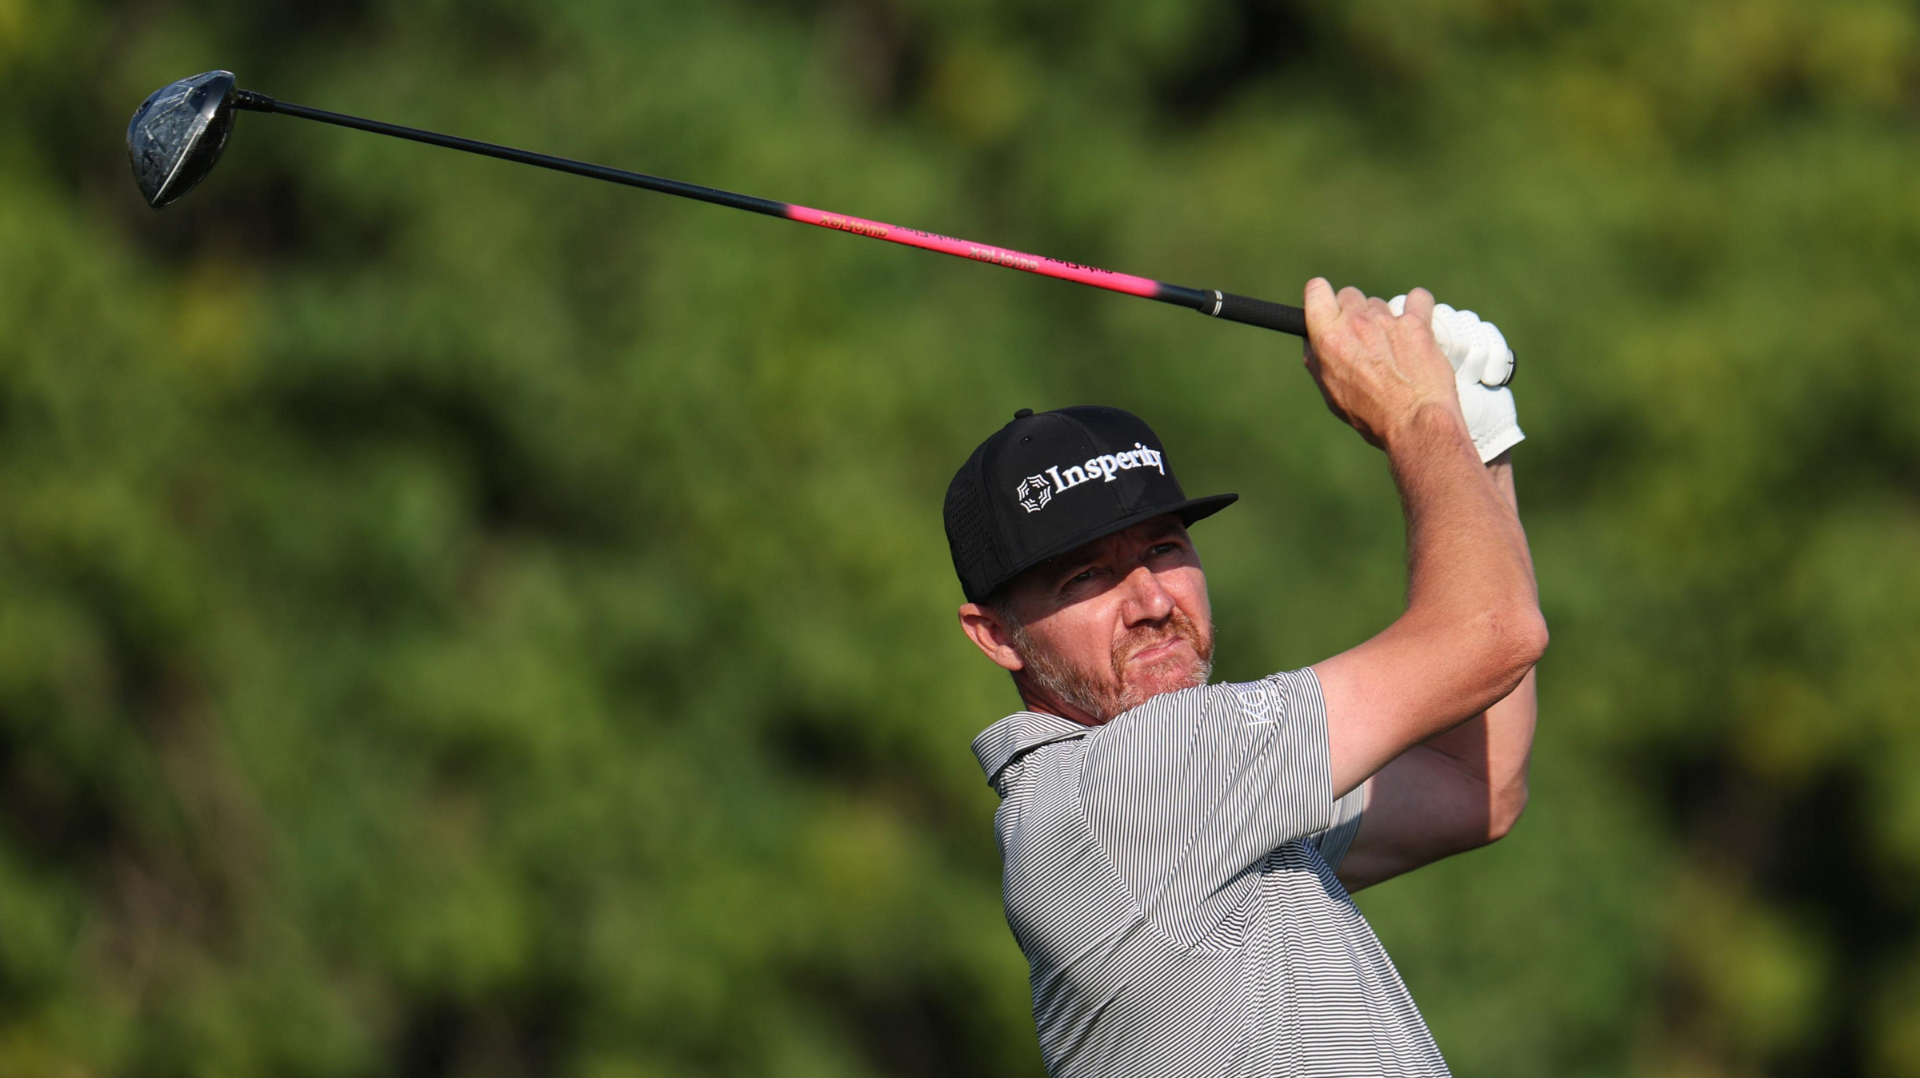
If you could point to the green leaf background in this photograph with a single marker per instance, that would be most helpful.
(462, 620)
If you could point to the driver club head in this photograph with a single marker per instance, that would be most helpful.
(176, 135)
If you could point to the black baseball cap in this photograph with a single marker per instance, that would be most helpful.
(1047, 483)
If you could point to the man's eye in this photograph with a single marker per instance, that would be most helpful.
(1079, 578)
(1163, 548)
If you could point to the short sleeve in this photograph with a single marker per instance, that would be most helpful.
(1337, 839)
(1190, 791)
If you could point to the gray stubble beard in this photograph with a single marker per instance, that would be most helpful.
(1072, 685)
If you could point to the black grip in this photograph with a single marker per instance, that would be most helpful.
(1259, 312)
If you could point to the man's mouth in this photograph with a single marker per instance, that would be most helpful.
(1155, 652)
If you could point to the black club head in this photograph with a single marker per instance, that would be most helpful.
(176, 135)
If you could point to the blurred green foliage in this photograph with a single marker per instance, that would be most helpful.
(457, 619)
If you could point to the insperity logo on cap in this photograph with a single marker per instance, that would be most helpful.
(1074, 474)
(1035, 491)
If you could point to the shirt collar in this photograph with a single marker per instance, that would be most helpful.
(998, 744)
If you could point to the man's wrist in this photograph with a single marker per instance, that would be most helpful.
(1427, 424)
(1500, 469)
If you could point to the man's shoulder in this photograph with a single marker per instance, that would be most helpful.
(998, 745)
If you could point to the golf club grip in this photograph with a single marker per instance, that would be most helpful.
(1262, 313)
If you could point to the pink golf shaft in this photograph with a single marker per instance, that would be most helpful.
(980, 252)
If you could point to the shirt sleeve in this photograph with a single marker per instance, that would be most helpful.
(1189, 792)
(1337, 839)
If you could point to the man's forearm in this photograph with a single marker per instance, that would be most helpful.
(1494, 746)
(1461, 789)
(1467, 556)
(1470, 588)
(1472, 627)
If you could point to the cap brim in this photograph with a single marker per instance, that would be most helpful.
(1189, 511)
(1195, 508)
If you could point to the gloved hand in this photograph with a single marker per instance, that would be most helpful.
(1482, 366)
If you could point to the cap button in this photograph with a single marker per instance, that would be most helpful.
(1023, 413)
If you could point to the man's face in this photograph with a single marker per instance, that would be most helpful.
(1106, 627)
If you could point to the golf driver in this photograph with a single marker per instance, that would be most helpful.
(177, 135)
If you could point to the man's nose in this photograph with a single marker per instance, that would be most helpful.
(1147, 601)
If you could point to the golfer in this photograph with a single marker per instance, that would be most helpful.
(1177, 855)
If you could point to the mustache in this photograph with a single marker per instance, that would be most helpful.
(1178, 627)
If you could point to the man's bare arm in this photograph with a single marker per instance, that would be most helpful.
(1472, 629)
(1454, 792)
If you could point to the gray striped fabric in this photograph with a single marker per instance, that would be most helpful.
(1169, 877)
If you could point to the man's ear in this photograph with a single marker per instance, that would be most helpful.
(990, 635)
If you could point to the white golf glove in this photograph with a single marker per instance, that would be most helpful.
(1482, 366)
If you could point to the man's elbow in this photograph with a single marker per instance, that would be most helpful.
(1473, 831)
(1513, 640)
(1540, 637)
(1526, 632)
(1504, 811)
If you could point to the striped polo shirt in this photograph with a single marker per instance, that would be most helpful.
(1169, 876)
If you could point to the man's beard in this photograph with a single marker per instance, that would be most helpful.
(1105, 698)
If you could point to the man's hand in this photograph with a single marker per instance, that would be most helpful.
(1482, 366)
(1377, 369)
